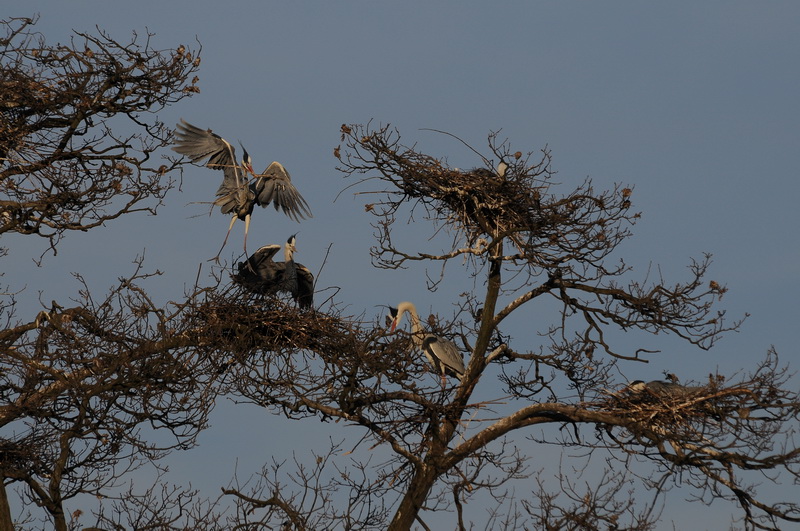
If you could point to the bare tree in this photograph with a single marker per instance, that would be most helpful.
(306, 497)
(525, 240)
(78, 128)
(162, 506)
(95, 388)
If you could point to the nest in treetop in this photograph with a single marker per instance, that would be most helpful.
(679, 414)
(245, 324)
(517, 204)
(481, 200)
(246, 327)
(27, 454)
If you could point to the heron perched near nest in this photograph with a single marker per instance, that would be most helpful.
(263, 276)
(663, 388)
(442, 354)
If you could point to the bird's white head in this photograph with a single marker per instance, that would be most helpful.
(397, 314)
(291, 243)
(501, 168)
(637, 386)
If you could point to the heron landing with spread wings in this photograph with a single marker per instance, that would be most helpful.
(238, 195)
(442, 354)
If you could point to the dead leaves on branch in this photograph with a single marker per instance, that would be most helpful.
(64, 163)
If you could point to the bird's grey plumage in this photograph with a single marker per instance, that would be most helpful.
(201, 144)
(263, 276)
(663, 388)
(442, 354)
(275, 186)
(237, 195)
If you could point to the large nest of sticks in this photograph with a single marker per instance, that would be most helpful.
(233, 328)
(686, 413)
(515, 202)
(246, 324)
(27, 454)
(482, 200)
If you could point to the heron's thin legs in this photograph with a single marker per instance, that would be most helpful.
(246, 229)
(233, 220)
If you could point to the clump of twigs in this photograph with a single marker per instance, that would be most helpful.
(683, 413)
(484, 201)
(236, 324)
(487, 205)
(244, 324)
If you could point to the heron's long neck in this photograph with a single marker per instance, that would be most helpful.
(290, 272)
(416, 327)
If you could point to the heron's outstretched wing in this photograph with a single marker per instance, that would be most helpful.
(259, 263)
(444, 352)
(266, 252)
(275, 186)
(263, 257)
(201, 144)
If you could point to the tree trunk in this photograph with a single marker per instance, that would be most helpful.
(422, 482)
(416, 494)
(6, 524)
(59, 518)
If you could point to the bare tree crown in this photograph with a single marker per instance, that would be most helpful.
(86, 385)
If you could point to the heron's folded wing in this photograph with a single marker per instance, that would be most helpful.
(305, 287)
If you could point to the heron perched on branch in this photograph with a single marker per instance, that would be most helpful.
(442, 354)
(238, 195)
(262, 276)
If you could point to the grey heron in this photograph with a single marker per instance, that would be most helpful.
(262, 276)
(442, 354)
(237, 195)
(499, 171)
(663, 388)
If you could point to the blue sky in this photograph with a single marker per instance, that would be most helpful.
(695, 104)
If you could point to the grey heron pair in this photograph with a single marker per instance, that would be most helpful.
(263, 276)
(237, 195)
(442, 354)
